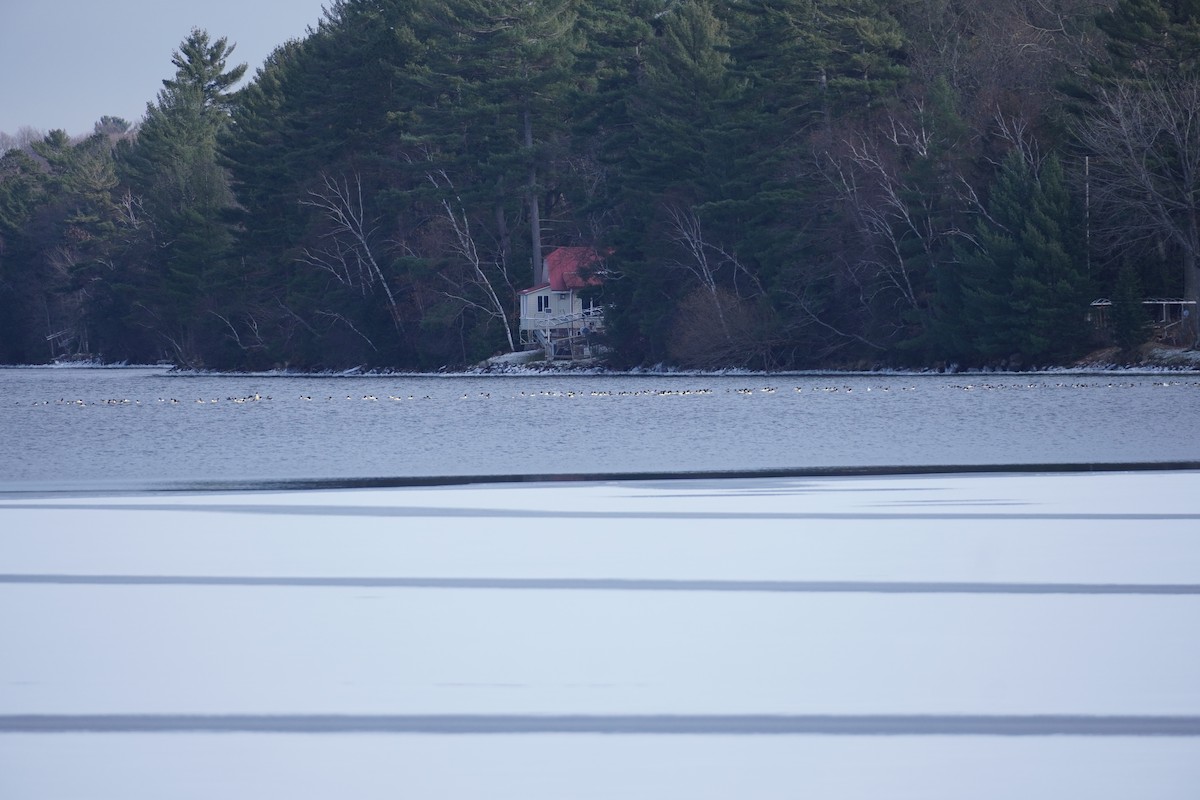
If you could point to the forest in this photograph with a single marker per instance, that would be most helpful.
(774, 184)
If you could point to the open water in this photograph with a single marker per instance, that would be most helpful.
(76, 428)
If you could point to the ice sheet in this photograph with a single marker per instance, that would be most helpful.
(994, 595)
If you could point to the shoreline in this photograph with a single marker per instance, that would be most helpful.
(657, 371)
(1154, 359)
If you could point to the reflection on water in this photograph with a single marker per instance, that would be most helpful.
(96, 428)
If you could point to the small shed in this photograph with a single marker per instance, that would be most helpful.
(554, 315)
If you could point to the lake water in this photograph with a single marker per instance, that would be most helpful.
(123, 428)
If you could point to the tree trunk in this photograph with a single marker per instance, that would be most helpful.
(505, 237)
(535, 218)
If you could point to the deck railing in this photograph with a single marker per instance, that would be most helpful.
(563, 335)
(576, 320)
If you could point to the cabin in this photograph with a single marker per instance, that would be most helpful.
(554, 316)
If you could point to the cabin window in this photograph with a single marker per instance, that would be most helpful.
(543, 302)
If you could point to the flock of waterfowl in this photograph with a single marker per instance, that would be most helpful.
(843, 388)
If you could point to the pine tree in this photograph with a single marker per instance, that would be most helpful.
(24, 190)
(672, 164)
(1130, 323)
(318, 115)
(779, 63)
(1150, 38)
(499, 72)
(60, 239)
(989, 314)
(200, 66)
(1023, 285)
(865, 50)
(174, 170)
(1050, 274)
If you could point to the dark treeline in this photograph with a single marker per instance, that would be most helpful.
(774, 183)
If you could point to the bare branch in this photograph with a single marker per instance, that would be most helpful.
(350, 256)
(1017, 131)
(1145, 172)
(336, 317)
(463, 245)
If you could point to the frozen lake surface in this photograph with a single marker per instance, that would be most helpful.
(136, 428)
(983, 636)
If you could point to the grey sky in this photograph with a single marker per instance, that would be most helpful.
(65, 64)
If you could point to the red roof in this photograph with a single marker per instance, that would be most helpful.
(573, 268)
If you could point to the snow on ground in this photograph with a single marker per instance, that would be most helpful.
(203, 767)
(1002, 597)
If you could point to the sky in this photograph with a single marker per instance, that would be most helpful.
(66, 64)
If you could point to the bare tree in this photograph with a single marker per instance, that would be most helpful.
(463, 246)
(1144, 143)
(253, 341)
(698, 343)
(1002, 52)
(705, 259)
(894, 219)
(1017, 131)
(724, 292)
(24, 137)
(347, 252)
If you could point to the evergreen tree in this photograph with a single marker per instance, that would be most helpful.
(59, 235)
(1049, 276)
(23, 190)
(505, 64)
(671, 164)
(173, 169)
(200, 65)
(780, 65)
(865, 52)
(903, 206)
(1150, 38)
(989, 313)
(316, 117)
(1023, 284)
(1130, 323)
